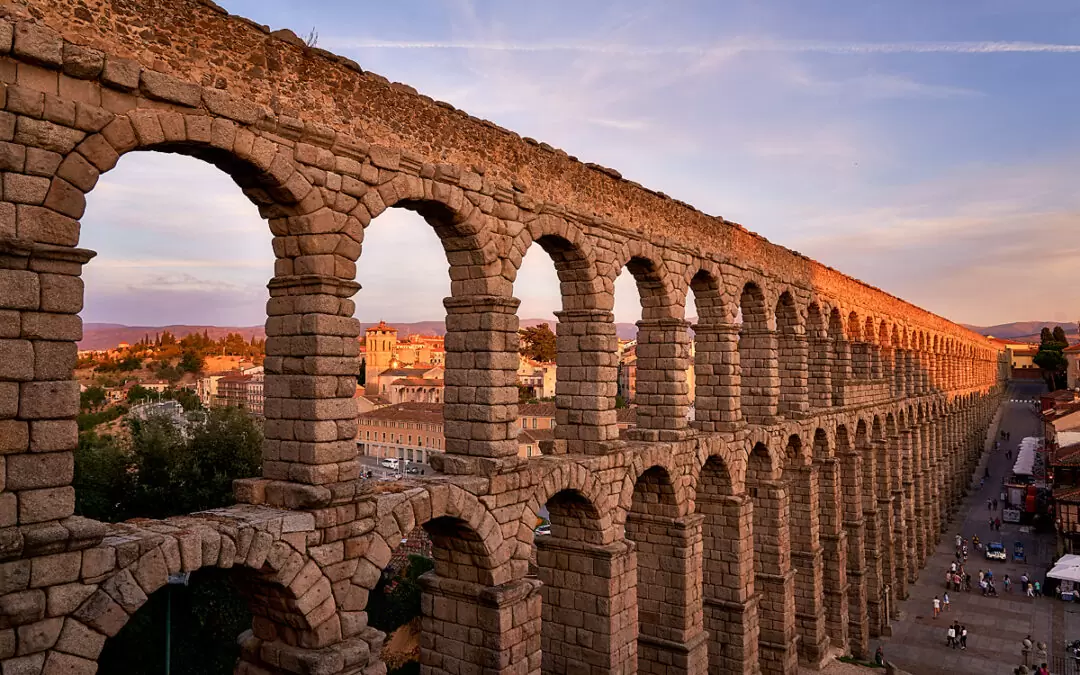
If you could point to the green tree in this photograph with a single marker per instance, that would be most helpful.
(94, 397)
(1053, 363)
(187, 398)
(1059, 336)
(538, 343)
(191, 362)
(103, 482)
(139, 393)
(1045, 336)
(396, 601)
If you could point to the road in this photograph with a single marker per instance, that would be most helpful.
(996, 626)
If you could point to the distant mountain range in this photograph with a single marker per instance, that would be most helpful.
(1026, 331)
(109, 335)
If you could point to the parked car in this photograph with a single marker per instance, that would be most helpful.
(995, 550)
(543, 530)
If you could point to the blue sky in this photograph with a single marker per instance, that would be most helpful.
(927, 148)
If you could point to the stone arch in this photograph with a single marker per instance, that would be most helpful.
(762, 464)
(705, 280)
(574, 258)
(664, 480)
(656, 287)
(291, 597)
(573, 478)
(482, 558)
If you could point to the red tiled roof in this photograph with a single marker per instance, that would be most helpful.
(542, 409)
(428, 413)
(1073, 349)
(417, 382)
(536, 435)
(1067, 494)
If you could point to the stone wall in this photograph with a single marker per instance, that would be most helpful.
(739, 543)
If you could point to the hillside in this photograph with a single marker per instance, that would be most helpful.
(1025, 331)
(108, 335)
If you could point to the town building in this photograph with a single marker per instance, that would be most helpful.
(407, 431)
(1072, 372)
(242, 391)
(536, 377)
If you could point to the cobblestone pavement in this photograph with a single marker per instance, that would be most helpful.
(996, 626)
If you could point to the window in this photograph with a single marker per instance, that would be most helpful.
(410, 439)
(534, 422)
(528, 451)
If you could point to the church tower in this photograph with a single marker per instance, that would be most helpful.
(381, 342)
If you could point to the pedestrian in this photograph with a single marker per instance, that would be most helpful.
(1030, 590)
(937, 606)
(1008, 454)
(995, 505)
(879, 656)
(1007, 582)
(997, 524)
(950, 637)
(1038, 589)
(989, 505)
(963, 637)
(958, 541)
(945, 602)
(952, 567)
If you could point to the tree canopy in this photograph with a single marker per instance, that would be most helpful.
(538, 343)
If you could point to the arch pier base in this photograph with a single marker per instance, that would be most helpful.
(467, 627)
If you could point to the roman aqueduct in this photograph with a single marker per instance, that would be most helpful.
(835, 425)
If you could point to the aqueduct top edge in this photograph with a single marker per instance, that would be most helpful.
(199, 41)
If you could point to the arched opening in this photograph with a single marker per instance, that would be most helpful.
(841, 357)
(873, 349)
(174, 306)
(714, 377)
(792, 355)
(757, 358)
(400, 391)
(661, 391)
(567, 378)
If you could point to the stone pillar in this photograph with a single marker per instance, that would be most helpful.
(820, 373)
(587, 379)
(794, 384)
(671, 634)
(911, 375)
(717, 385)
(730, 603)
(841, 369)
(889, 370)
(469, 628)
(913, 504)
(481, 384)
(877, 369)
(41, 294)
(877, 517)
(855, 501)
(806, 563)
(773, 578)
(276, 656)
(901, 542)
(312, 360)
(834, 551)
(760, 391)
(860, 360)
(589, 606)
(663, 394)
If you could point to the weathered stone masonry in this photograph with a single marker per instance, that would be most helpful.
(835, 424)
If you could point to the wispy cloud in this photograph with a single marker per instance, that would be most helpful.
(730, 47)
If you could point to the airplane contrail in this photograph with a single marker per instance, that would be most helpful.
(735, 46)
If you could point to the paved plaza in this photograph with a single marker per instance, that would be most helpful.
(996, 626)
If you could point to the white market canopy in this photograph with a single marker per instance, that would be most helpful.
(1067, 568)
(1025, 459)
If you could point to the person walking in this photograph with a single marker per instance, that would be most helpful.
(950, 636)
(937, 606)
(963, 637)
(1038, 590)
(945, 602)
(1007, 582)
(879, 656)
